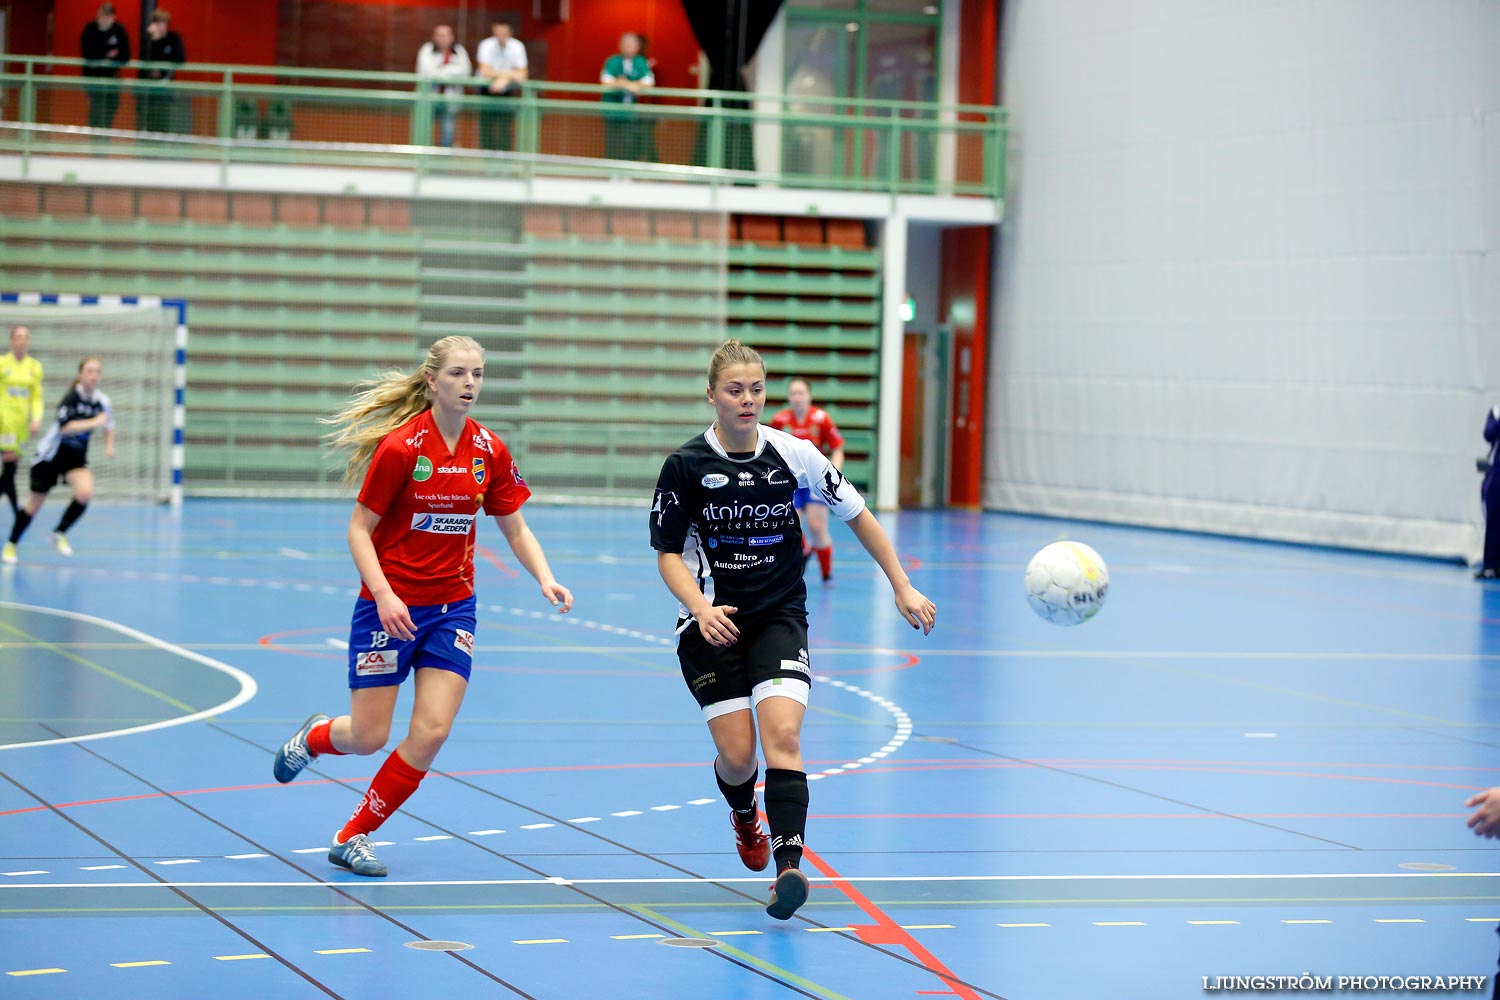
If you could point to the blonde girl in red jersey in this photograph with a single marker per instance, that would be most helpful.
(428, 472)
(812, 423)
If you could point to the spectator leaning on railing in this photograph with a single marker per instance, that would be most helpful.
(444, 59)
(157, 104)
(502, 61)
(105, 41)
(628, 72)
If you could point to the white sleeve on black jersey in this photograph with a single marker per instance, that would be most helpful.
(109, 410)
(669, 518)
(815, 472)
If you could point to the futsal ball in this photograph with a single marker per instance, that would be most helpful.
(1066, 583)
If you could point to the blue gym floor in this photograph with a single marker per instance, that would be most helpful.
(1253, 762)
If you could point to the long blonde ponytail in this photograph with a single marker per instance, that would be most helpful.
(386, 402)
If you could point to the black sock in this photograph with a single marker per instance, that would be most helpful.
(8, 484)
(741, 797)
(786, 809)
(18, 529)
(70, 516)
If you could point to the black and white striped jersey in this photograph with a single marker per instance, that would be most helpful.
(76, 405)
(732, 519)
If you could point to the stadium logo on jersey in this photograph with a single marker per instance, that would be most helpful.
(515, 475)
(478, 470)
(665, 500)
(423, 471)
(770, 477)
(833, 479)
(416, 439)
(747, 479)
(379, 661)
(482, 441)
(464, 641)
(443, 524)
(714, 480)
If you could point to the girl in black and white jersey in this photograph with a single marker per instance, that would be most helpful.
(729, 547)
(62, 454)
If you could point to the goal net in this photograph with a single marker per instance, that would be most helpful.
(140, 343)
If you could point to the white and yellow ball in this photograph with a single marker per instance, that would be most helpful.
(1066, 583)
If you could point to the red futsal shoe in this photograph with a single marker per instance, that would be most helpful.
(752, 843)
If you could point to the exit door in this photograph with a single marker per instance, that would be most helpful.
(927, 375)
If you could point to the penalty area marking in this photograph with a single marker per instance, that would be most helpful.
(248, 687)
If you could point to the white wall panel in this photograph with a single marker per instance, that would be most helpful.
(1249, 278)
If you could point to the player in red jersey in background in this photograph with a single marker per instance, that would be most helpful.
(812, 423)
(429, 471)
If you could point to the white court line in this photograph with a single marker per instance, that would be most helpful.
(1013, 654)
(248, 687)
(755, 880)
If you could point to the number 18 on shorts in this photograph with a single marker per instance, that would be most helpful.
(444, 640)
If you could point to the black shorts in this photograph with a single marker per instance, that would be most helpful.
(45, 475)
(770, 659)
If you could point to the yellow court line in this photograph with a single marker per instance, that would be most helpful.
(1307, 921)
(112, 675)
(743, 956)
(1119, 923)
(344, 951)
(731, 933)
(927, 927)
(1211, 923)
(1023, 925)
(1402, 920)
(137, 965)
(634, 937)
(1483, 920)
(35, 972)
(826, 930)
(237, 958)
(543, 941)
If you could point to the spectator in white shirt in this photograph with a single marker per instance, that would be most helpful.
(444, 59)
(502, 61)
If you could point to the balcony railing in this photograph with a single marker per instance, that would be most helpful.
(277, 114)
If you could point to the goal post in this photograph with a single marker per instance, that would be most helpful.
(141, 343)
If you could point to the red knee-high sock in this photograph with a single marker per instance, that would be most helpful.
(393, 785)
(320, 739)
(825, 561)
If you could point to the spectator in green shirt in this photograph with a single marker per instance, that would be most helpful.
(626, 74)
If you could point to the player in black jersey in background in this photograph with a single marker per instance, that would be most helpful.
(63, 453)
(729, 547)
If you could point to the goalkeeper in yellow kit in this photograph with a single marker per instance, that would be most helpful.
(20, 407)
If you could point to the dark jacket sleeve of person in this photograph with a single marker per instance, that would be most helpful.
(96, 44)
(167, 48)
(1492, 425)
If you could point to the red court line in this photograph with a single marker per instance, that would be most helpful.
(564, 672)
(963, 765)
(1098, 816)
(493, 558)
(329, 781)
(887, 931)
(269, 641)
(909, 662)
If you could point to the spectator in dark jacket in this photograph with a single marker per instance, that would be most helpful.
(107, 42)
(1489, 493)
(157, 104)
